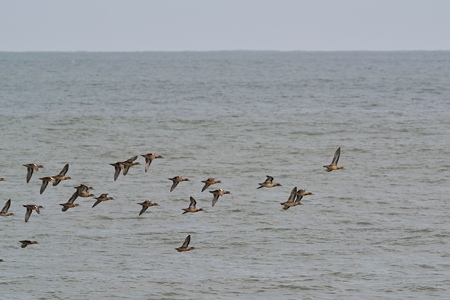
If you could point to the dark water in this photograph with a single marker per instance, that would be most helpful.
(378, 229)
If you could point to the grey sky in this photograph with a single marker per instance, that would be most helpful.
(177, 25)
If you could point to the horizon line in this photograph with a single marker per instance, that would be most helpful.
(229, 50)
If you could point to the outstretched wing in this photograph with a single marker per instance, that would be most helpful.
(28, 214)
(293, 195)
(336, 156)
(216, 197)
(6, 207)
(64, 170)
(130, 160)
(186, 242)
(174, 185)
(193, 202)
(43, 186)
(144, 208)
(29, 173)
(269, 179)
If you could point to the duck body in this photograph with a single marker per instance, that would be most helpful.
(192, 207)
(102, 198)
(208, 182)
(268, 183)
(333, 166)
(146, 204)
(176, 180)
(185, 247)
(218, 193)
(25, 243)
(149, 157)
(30, 208)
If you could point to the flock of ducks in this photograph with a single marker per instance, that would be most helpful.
(123, 167)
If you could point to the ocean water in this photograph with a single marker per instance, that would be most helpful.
(378, 229)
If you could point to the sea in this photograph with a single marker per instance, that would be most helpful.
(377, 229)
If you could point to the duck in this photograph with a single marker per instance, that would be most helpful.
(149, 157)
(333, 166)
(217, 194)
(30, 208)
(268, 183)
(292, 200)
(82, 191)
(176, 180)
(192, 207)
(69, 204)
(208, 182)
(5, 209)
(185, 247)
(27, 242)
(102, 198)
(30, 168)
(146, 204)
(127, 164)
(2, 179)
(61, 176)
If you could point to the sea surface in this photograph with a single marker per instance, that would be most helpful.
(379, 229)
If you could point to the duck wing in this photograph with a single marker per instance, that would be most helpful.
(337, 154)
(64, 170)
(28, 214)
(186, 242)
(6, 207)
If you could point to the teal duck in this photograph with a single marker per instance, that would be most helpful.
(192, 207)
(30, 208)
(176, 180)
(217, 194)
(102, 198)
(26, 243)
(333, 166)
(208, 182)
(185, 246)
(268, 183)
(146, 204)
(149, 157)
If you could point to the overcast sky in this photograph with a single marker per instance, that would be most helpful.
(198, 25)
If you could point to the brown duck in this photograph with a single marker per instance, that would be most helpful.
(26, 243)
(149, 157)
(192, 207)
(333, 166)
(30, 208)
(146, 204)
(176, 180)
(185, 246)
(268, 183)
(102, 198)
(208, 182)
(217, 194)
